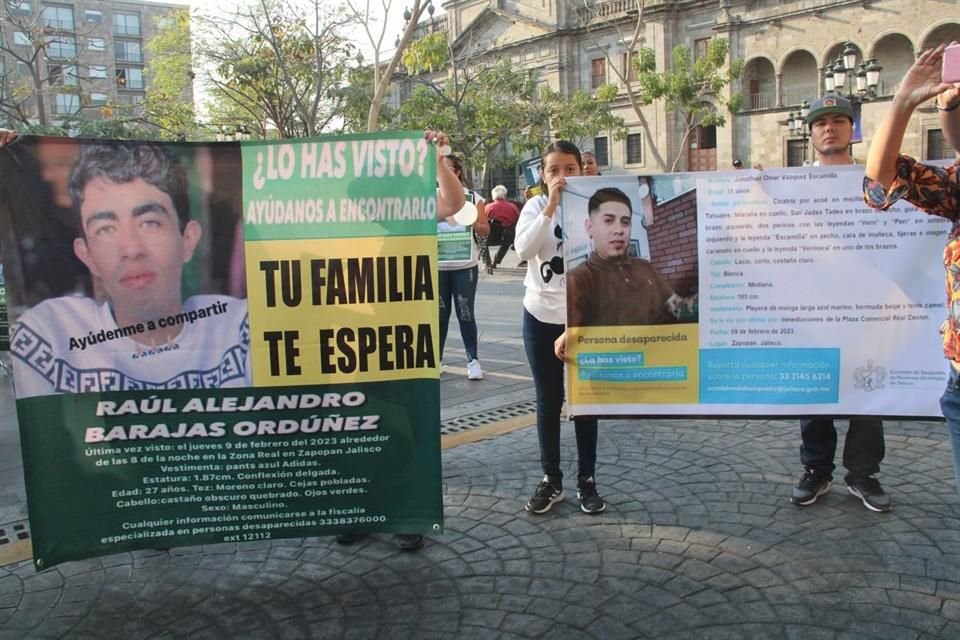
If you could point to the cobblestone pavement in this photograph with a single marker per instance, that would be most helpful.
(699, 541)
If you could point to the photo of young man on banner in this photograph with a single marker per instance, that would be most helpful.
(137, 330)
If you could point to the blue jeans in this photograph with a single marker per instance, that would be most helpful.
(950, 406)
(547, 370)
(862, 451)
(459, 287)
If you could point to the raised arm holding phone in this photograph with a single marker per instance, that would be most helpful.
(890, 176)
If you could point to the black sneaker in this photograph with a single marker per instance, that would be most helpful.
(811, 486)
(590, 500)
(546, 495)
(870, 493)
(409, 541)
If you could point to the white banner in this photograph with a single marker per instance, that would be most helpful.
(809, 302)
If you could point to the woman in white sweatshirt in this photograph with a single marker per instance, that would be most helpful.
(539, 241)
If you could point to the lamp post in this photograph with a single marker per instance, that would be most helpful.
(856, 82)
(797, 126)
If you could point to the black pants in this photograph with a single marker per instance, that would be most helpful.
(506, 239)
(863, 449)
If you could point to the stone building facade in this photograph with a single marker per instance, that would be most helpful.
(785, 45)
(93, 52)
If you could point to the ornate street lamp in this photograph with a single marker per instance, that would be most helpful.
(796, 125)
(856, 83)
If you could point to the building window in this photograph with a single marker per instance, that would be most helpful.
(937, 146)
(18, 9)
(97, 71)
(629, 70)
(598, 72)
(127, 51)
(601, 151)
(62, 47)
(796, 153)
(132, 99)
(635, 148)
(96, 44)
(704, 138)
(700, 47)
(126, 24)
(129, 78)
(97, 99)
(57, 16)
(63, 75)
(66, 103)
(92, 15)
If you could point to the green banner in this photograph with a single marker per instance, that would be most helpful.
(344, 187)
(128, 470)
(216, 343)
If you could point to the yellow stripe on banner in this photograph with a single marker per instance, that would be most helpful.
(655, 364)
(342, 311)
(15, 552)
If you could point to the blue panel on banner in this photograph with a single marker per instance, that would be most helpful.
(769, 376)
(608, 359)
(635, 374)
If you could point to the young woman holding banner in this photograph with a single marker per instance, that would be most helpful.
(539, 241)
(457, 278)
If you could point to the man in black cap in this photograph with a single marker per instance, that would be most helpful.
(831, 128)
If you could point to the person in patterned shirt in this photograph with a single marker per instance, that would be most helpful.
(890, 176)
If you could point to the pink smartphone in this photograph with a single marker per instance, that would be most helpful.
(951, 63)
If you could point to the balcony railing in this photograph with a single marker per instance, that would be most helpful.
(760, 101)
(793, 96)
(606, 10)
(126, 29)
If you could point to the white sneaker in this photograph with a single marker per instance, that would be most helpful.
(474, 372)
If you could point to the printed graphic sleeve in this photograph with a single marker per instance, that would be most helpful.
(934, 189)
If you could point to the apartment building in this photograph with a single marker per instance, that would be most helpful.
(65, 61)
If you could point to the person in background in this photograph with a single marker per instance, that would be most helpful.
(890, 176)
(503, 216)
(590, 167)
(457, 278)
(539, 240)
(831, 128)
(737, 164)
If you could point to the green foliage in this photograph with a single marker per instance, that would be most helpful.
(357, 95)
(427, 54)
(483, 106)
(495, 113)
(582, 116)
(283, 71)
(689, 83)
(691, 89)
(168, 104)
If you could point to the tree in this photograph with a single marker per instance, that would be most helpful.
(494, 110)
(44, 50)
(686, 89)
(381, 78)
(691, 89)
(580, 117)
(282, 70)
(168, 104)
(485, 104)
